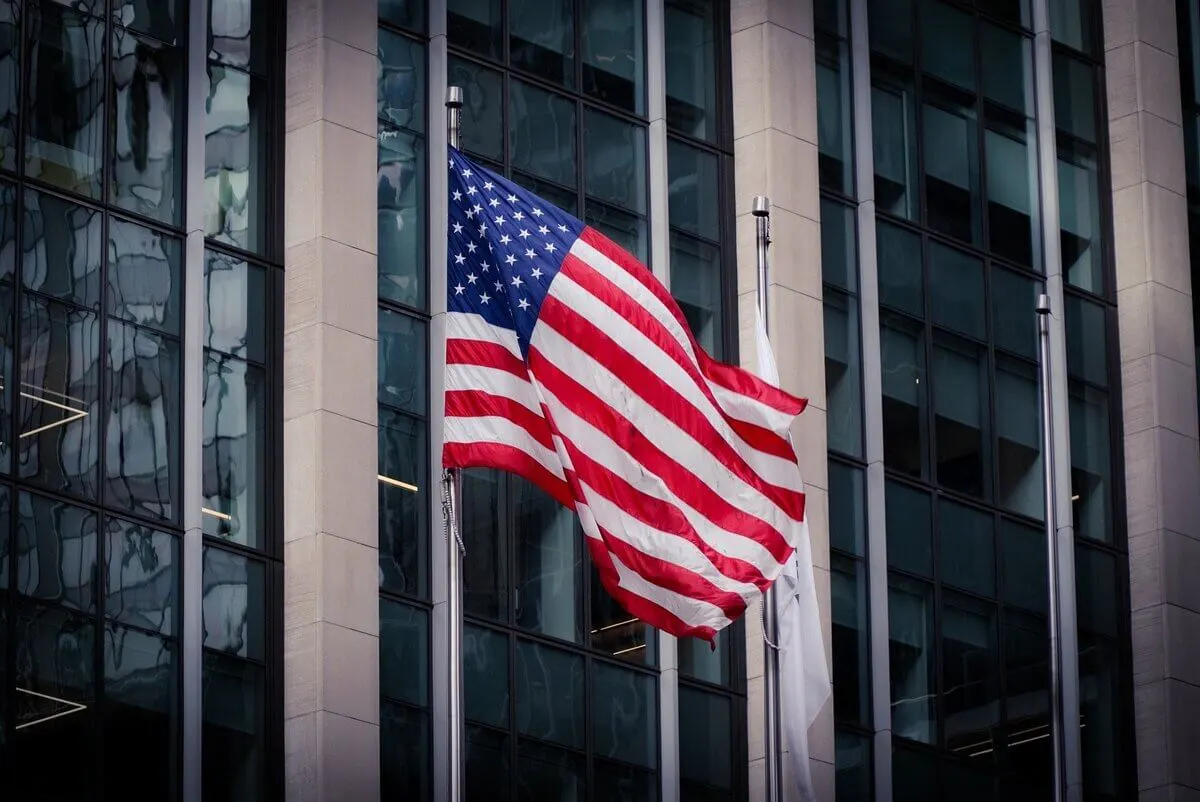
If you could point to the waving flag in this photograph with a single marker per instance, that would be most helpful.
(568, 363)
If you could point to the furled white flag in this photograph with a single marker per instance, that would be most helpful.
(803, 676)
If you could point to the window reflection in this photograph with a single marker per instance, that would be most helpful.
(232, 25)
(140, 713)
(234, 450)
(235, 297)
(233, 598)
(834, 114)
(404, 485)
(541, 129)
(483, 104)
(617, 632)
(913, 659)
(485, 676)
(612, 34)
(141, 568)
(843, 374)
(400, 98)
(692, 68)
(234, 734)
(966, 537)
(10, 81)
(144, 276)
(234, 206)
(56, 549)
(476, 25)
(1018, 436)
(63, 249)
(550, 562)
(542, 38)
(624, 715)
(706, 753)
(848, 592)
(550, 694)
(401, 210)
(905, 431)
(696, 285)
(961, 415)
(894, 132)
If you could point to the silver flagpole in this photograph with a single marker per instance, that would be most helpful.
(451, 485)
(1056, 675)
(770, 623)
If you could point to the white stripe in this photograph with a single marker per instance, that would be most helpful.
(471, 378)
(692, 612)
(470, 326)
(774, 470)
(495, 429)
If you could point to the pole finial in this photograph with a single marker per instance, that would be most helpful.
(1043, 304)
(762, 206)
(454, 97)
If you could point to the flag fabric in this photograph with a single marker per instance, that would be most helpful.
(568, 363)
(804, 685)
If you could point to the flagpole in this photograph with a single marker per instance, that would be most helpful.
(773, 741)
(451, 487)
(1057, 718)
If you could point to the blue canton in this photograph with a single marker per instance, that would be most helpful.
(506, 246)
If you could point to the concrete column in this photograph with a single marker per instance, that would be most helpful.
(1162, 459)
(775, 154)
(331, 618)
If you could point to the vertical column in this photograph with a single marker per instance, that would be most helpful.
(1159, 389)
(331, 660)
(775, 154)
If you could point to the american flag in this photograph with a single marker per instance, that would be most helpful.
(568, 363)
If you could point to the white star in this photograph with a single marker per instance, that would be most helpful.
(458, 228)
(562, 227)
(471, 190)
(516, 282)
(471, 246)
(483, 299)
(530, 253)
(512, 198)
(518, 215)
(499, 286)
(510, 260)
(537, 272)
(488, 185)
(550, 247)
(466, 173)
(486, 267)
(524, 233)
(452, 164)
(470, 214)
(458, 289)
(478, 208)
(500, 220)
(482, 230)
(523, 304)
(505, 239)
(543, 230)
(457, 195)
(494, 202)
(459, 259)
(471, 278)
(537, 212)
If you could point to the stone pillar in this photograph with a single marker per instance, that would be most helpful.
(1162, 460)
(775, 154)
(331, 618)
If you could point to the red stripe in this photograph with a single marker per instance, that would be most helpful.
(476, 403)
(623, 304)
(682, 482)
(507, 458)
(660, 396)
(735, 379)
(484, 354)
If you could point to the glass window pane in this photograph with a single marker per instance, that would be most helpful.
(234, 604)
(401, 94)
(691, 68)
(839, 245)
(60, 393)
(705, 742)
(63, 249)
(1009, 10)
(544, 772)
(1013, 225)
(852, 762)
(901, 284)
(696, 285)
(483, 102)
(485, 676)
(1091, 477)
(1014, 301)
(699, 661)
(541, 128)
(141, 675)
(6, 549)
(486, 569)
(404, 486)
(624, 715)
(843, 374)
(613, 780)
(1019, 437)
(1074, 97)
(1087, 355)
(614, 159)
(627, 230)
(614, 65)
(847, 508)
(565, 199)
(402, 209)
(10, 81)
(144, 276)
(404, 751)
(405, 13)
(233, 25)
(890, 24)
(64, 141)
(1008, 78)
(894, 142)
(235, 194)
(403, 653)
(693, 190)
(851, 674)
(1096, 590)
(141, 576)
(488, 758)
(1101, 704)
(1079, 216)
(141, 447)
(615, 631)
(550, 561)
(914, 774)
(1023, 550)
(541, 38)
(550, 694)
(235, 739)
(941, 24)
(961, 415)
(235, 307)
(912, 659)
(160, 19)
(476, 25)
(55, 709)
(905, 427)
(8, 296)
(956, 291)
(951, 145)
(234, 450)
(1073, 23)
(909, 521)
(835, 113)
(970, 672)
(832, 16)
(56, 550)
(147, 128)
(402, 358)
(966, 538)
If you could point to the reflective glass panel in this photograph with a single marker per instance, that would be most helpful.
(10, 81)
(848, 592)
(234, 450)
(835, 106)
(894, 142)
(970, 672)
(541, 38)
(939, 25)
(692, 68)
(141, 575)
(550, 694)
(402, 226)
(403, 653)
(1079, 216)
(544, 772)
(405, 13)
(64, 104)
(909, 520)
(1023, 554)
(401, 94)
(1013, 225)
(852, 763)
(486, 574)
(617, 632)
(8, 268)
(1091, 477)
(1018, 436)
(1096, 590)
(901, 284)
(550, 562)
(847, 513)
(477, 25)
(905, 427)
(961, 415)
(404, 486)
(485, 676)
(235, 307)
(913, 659)
(832, 16)
(234, 604)
(627, 230)
(232, 28)
(1010, 10)
(5, 548)
(839, 245)
(956, 291)
(158, 18)
(144, 276)
(1102, 700)
(1087, 354)
(483, 104)
(967, 548)
(1074, 97)
(1008, 77)
(890, 24)
(612, 34)
(696, 285)
(705, 751)
(402, 358)
(614, 780)
(141, 447)
(235, 195)
(63, 249)
(1073, 23)
(693, 192)
(843, 374)
(1014, 299)
(147, 126)
(57, 424)
(700, 661)
(235, 723)
(624, 715)
(951, 143)
(488, 765)
(404, 752)
(541, 129)
(614, 158)
(56, 549)
(141, 678)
